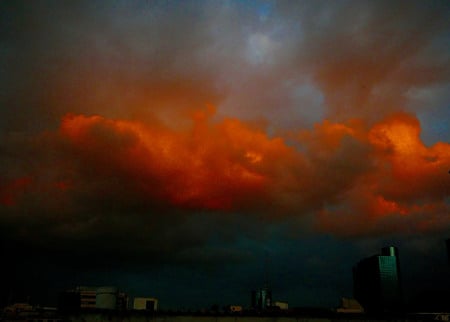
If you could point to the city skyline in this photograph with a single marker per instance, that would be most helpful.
(419, 300)
(197, 150)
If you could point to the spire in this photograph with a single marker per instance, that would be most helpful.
(266, 269)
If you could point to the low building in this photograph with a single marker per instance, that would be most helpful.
(350, 306)
(145, 303)
(18, 308)
(89, 298)
(106, 298)
(234, 308)
(281, 305)
(24, 312)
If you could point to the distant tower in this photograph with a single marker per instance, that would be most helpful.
(262, 298)
(376, 282)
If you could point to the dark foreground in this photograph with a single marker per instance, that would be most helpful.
(186, 317)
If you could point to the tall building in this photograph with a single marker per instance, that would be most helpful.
(376, 282)
(262, 298)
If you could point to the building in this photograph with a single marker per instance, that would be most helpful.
(262, 299)
(281, 305)
(145, 303)
(234, 309)
(122, 301)
(376, 282)
(90, 298)
(349, 306)
(24, 312)
(18, 309)
(106, 298)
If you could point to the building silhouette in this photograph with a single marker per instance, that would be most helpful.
(149, 304)
(262, 299)
(376, 282)
(349, 306)
(91, 298)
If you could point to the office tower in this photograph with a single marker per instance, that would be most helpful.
(376, 282)
(262, 299)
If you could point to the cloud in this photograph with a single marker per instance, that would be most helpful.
(405, 190)
(366, 56)
(103, 180)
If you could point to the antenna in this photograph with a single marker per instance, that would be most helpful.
(266, 293)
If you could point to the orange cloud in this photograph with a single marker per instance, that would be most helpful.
(368, 175)
(409, 168)
(221, 166)
(406, 183)
(351, 178)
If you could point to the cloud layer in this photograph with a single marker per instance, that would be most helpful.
(101, 175)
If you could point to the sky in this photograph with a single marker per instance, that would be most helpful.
(194, 150)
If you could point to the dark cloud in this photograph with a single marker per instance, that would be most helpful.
(366, 56)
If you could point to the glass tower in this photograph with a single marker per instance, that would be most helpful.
(376, 282)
